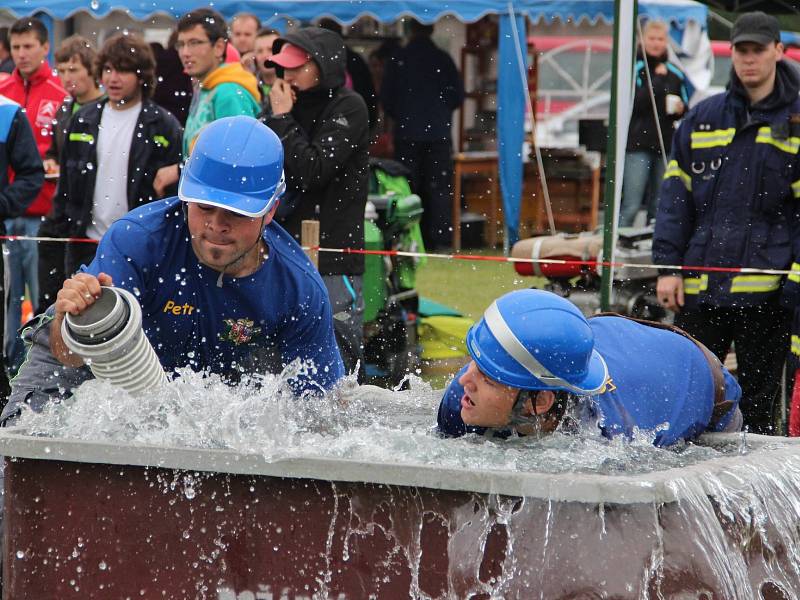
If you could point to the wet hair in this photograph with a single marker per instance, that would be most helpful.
(247, 15)
(128, 52)
(4, 39)
(29, 24)
(210, 20)
(265, 31)
(562, 403)
(80, 47)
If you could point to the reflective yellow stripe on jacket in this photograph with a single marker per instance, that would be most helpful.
(791, 145)
(796, 188)
(695, 285)
(81, 137)
(795, 274)
(796, 344)
(711, 139)
(755, 283)
(673, 170)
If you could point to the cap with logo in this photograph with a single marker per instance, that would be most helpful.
(757, 27)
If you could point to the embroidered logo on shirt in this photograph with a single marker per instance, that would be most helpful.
(342, 120)
(46, 113)
(240, 331)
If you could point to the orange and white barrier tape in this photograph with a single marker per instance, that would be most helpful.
(478, 257)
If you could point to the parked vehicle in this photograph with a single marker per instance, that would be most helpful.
(575, 79)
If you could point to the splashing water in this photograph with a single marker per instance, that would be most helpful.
(261, 416)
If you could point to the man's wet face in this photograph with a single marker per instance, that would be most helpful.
(485, 402)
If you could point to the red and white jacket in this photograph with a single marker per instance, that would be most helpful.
(40, 97)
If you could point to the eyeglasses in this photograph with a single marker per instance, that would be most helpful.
(191, 44)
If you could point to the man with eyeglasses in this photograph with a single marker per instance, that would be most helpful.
(223, 89)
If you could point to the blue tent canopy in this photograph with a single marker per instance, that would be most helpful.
(511, 72)
(347, 11)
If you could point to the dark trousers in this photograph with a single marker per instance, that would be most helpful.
(761, 338)
(431, 166)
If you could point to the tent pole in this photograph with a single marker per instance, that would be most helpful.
(614, 170)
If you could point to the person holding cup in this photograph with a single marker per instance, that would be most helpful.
(644, 163)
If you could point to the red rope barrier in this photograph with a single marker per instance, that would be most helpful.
(478, 258)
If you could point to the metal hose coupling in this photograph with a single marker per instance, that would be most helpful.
(108, 336)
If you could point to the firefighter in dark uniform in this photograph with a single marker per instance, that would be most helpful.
(731, 198)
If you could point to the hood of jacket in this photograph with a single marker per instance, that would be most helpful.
(326, 49)
(232, 73)
(787, 87)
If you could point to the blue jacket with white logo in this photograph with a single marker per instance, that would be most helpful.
(253, 324)
(731, 194)
(18, 152)
(658, 381)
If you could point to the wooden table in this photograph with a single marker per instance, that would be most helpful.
(476, 163)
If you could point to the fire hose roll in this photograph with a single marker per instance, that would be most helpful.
(108, 336)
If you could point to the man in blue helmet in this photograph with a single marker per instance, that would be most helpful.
(222, 287)
(534, 355)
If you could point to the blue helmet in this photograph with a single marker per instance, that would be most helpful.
(536, 340)
(236, 164)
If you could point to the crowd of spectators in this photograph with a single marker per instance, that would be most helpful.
(114, 124)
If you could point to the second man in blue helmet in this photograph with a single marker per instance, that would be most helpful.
(222, 288)
(536, 358)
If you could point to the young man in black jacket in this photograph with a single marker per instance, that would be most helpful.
(75, 63)
(113, 152)
(421, 88)
(644, 162)
(325, 134)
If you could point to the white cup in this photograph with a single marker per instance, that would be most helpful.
(674, 104)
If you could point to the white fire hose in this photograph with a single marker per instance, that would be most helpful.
(108, 336)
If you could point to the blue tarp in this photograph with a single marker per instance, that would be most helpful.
(512, 109)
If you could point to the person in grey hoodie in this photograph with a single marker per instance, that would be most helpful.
(325, 134)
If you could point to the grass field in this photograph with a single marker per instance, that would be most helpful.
(470, 286)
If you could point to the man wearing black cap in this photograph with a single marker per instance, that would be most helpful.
(731, 198)
(325, 134)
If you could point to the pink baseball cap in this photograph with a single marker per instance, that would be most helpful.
(290, 57)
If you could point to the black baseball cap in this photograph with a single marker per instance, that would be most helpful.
(757, 27)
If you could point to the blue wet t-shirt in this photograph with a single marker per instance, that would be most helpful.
(657, 379)
(257, 323)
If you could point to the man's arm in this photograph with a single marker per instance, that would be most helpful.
(453, 89)
(314, 162)
(168, 171)
(23, 158)
(41, 378)
(675, 220)
(790, 296)
(309, 336)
